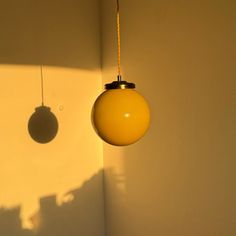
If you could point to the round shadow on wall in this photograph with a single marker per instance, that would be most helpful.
(43, 125)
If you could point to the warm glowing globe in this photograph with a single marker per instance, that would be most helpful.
(121, 116)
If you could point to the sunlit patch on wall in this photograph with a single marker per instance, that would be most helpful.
(67, 198)
(29, 170)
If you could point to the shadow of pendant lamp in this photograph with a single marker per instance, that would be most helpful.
(43, 124)
(120, 115)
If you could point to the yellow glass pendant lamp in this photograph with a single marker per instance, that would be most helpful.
(121, 115)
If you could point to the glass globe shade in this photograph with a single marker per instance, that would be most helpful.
(120, 116)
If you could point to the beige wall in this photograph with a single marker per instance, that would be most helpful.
(56, 188)
(180, 178)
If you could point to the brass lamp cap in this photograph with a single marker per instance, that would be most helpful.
(120, 85)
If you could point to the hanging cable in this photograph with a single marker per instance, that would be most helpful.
(118, 40)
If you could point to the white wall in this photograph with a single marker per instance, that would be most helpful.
(180, 178)
(56, 188)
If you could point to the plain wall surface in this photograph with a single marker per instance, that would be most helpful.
(180, 178)
(55, 188)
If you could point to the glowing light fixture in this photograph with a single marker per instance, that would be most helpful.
(120, 114)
